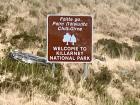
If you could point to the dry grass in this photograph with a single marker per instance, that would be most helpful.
(114, 81)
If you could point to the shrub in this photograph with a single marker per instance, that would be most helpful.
(113, 48)
(3, 19)
(33, 12)
(24, 40)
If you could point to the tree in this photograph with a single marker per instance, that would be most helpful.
(67, 38)
(73, 39)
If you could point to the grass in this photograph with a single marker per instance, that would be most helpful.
(34, 12)
(109, 101)
(23, 40)
(31, 79)
(27, 17)
(27, 77)
(113, 48)
(99, 82)
(3, 19)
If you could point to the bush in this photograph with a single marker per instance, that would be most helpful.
(3, 19)
(23, 40)
(33, 12)
(113, 48)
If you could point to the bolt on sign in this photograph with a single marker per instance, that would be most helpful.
(69, 38)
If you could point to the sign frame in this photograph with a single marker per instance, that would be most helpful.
(91, 40)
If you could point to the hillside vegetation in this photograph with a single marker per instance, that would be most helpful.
(114, 74)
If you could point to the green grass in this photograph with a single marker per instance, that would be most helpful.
(39, 77)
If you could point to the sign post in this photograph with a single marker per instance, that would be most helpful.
(53, 70)
(69, 39)
(86, 71)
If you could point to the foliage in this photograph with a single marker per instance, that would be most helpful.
(99, 81)
(24, 40)
(113, 48)
(3, 19)
(27, 77)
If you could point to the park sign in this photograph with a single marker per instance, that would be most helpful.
(69, 38)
